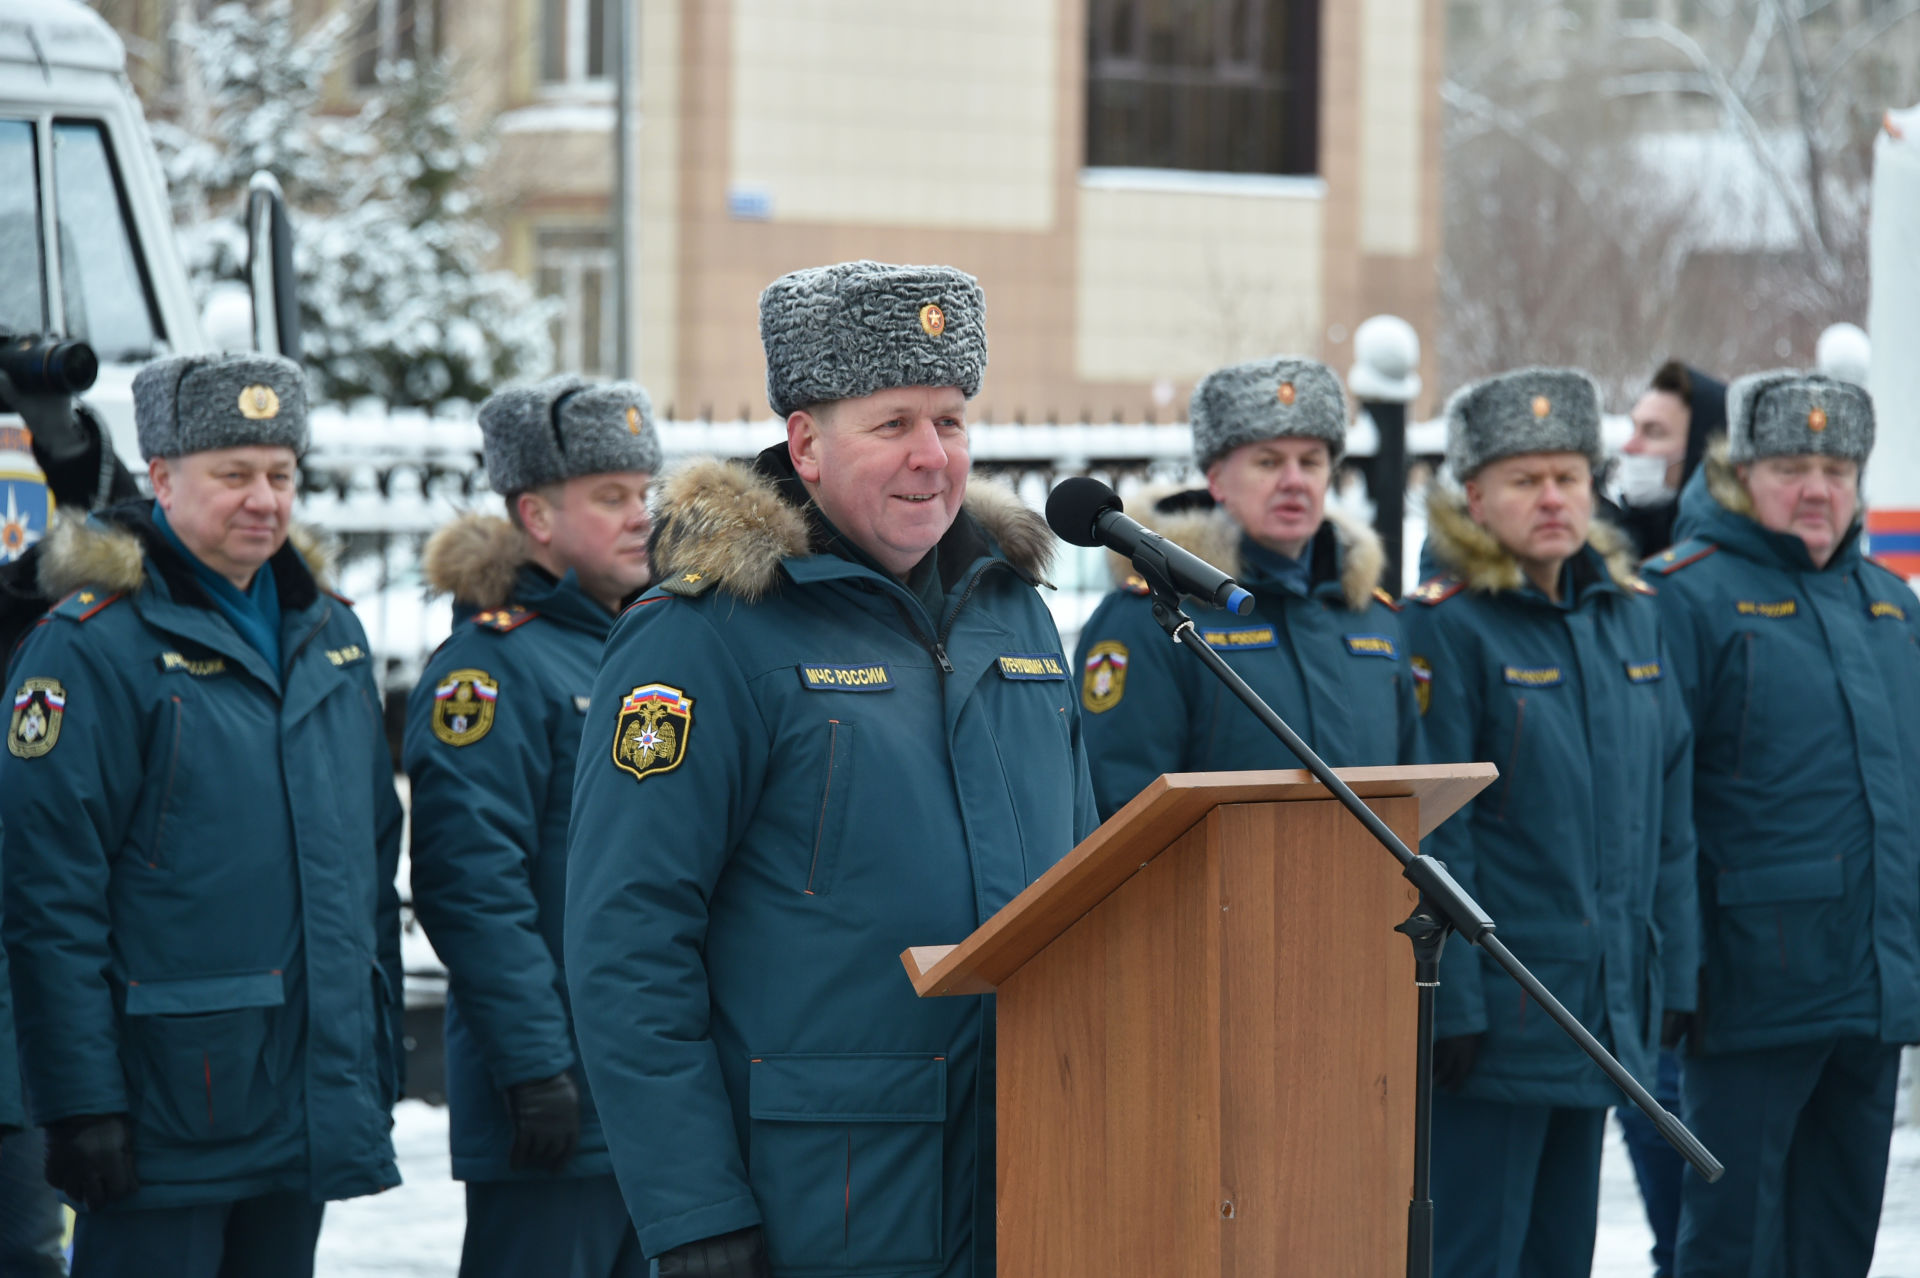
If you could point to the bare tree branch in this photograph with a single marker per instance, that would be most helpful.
(1743, 120)
(1858, 41)
(1644, 83)
(1754, 58)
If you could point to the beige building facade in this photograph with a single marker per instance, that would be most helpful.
(1146, 189)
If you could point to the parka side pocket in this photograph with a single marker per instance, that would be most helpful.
(194, 1053)
(830, 819)
(847, 1160)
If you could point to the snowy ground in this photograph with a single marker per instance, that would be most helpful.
(414, 1231)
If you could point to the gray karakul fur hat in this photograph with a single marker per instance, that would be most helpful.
(193, 403)
(1787, 412)
(840, 332)
(563, 428)
(1280, 397)
(1528, 410)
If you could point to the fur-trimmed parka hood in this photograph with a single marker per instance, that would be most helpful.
(1194, 522)
(476, 559)
(109, 551)
(1723, 482)
(1470, 552)
(733, 522)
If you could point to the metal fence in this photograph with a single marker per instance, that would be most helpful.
(380, 483)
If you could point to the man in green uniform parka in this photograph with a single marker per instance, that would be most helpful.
(201, 839)
(493, 732)
(841, 725)
(1540, 652)
(1323, 645)
(1798, 659)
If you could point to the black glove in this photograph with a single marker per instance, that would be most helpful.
(90, 1159)
(1674, 1027)
(742, 1254)
(546, 1122)
(1453, 1060)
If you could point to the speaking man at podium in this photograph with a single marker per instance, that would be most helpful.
(840, 725)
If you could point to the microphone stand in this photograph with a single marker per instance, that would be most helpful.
(1444, 907)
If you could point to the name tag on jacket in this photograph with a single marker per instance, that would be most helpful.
(1247, 637)
(1032, 665)
(873, 678)
(1370, 646)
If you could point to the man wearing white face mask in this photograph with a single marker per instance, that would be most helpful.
(1673, 420)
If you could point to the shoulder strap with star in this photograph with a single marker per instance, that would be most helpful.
(1674, 558)
(688, 585)
(1386, 599)
(1437, 590)
(84, 604)
(504, 619)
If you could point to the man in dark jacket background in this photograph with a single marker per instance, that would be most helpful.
(1323, 645)
(1675, 418)
(840, 726)
(201, 834)
(493, 734)
(1542, 653)
(71, 446)
(1800, 662)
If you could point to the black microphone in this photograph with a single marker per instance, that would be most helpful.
(1085, 512)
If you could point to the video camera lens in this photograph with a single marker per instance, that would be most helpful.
(48, 365)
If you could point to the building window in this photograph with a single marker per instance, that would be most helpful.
(576, 266)
(573, 41)
(394, 31)
(1221, 85)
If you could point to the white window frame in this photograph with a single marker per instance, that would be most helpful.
(574, 79)
(573, 263)
(386, 27)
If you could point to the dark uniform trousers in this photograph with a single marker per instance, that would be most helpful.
(513, 1227)
(1540, 1166)
(273, 1234)
(1804, 1132)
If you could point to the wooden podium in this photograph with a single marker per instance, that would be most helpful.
(1206, 1032)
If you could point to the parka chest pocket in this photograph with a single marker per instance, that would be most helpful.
(1536, 702)
(846, 1158)
(195, 1053)
(829, 824)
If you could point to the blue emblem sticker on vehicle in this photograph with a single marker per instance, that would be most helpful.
(872, 678)
(1534, 676)
(1032, 665)
(1247, 637)
(1371, 646)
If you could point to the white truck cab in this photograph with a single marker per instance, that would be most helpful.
(87, 248)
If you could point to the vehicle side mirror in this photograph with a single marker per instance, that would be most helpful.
(270, 274)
